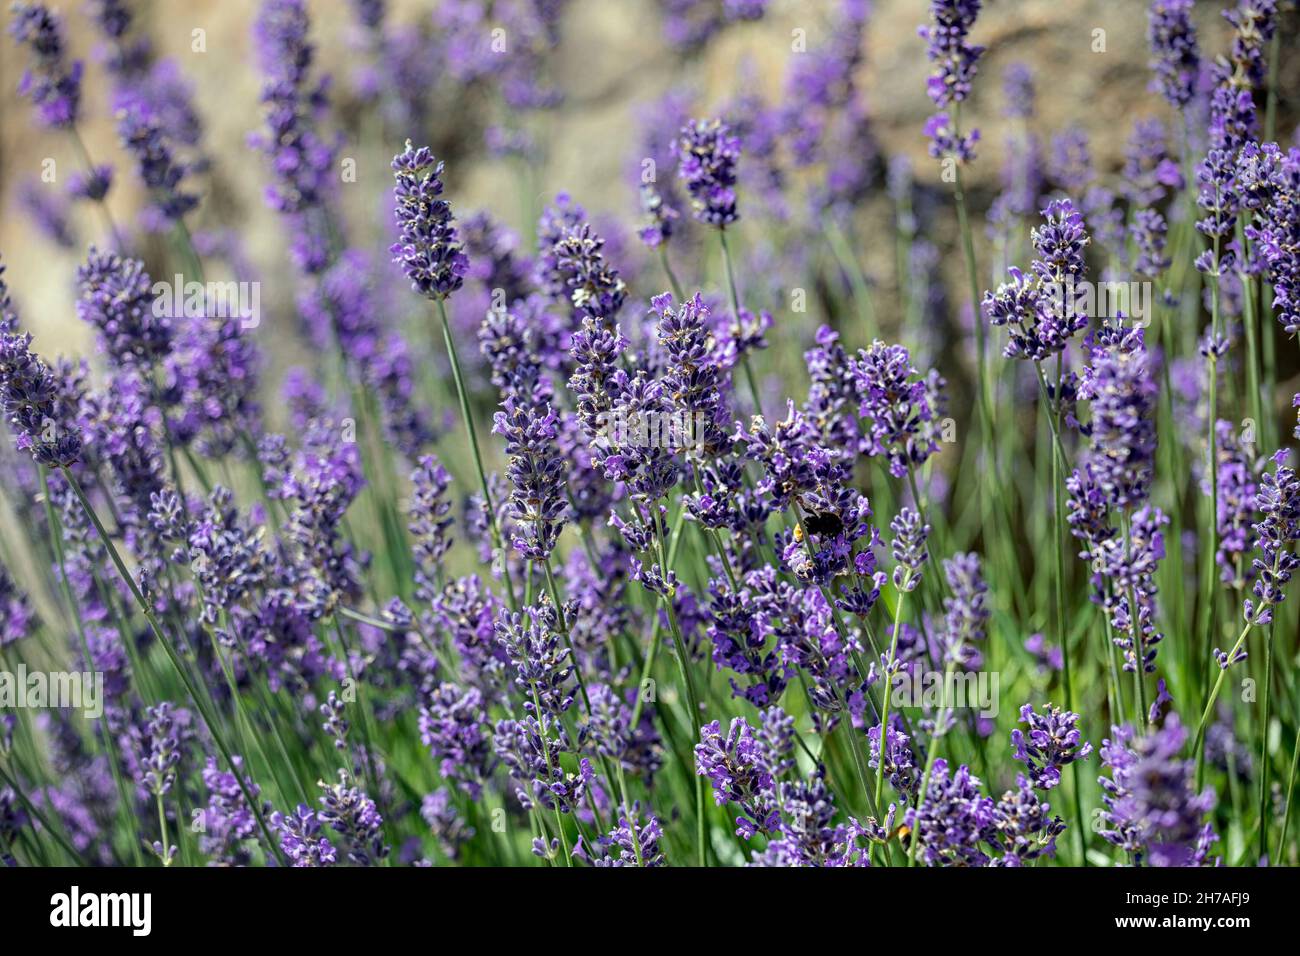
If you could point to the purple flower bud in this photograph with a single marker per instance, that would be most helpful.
(429, 250)
(1151, 808)
(116, 298)
(1175, 59)
(1054, 741)
(50, 82)
(707, 153)
(30, 403)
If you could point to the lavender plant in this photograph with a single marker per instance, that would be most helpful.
(728, 546)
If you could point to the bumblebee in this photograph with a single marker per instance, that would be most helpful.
(825, 523)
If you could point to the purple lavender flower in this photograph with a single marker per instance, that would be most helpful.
(741, 639)
(574, 264)
(1217, 196)
(1270, 186)
(1071, 165)
(609, 727)
(1148, 233)
(50, 82)
(660, 218)
(953, 819)
(429, 523)
(1237, 491)
(301, 838)
(556, 221)
(429, 250)
(336, 722)
(544, 669)
(48, 212)
(1119, 385)
(324, 481)
(1276, 537)
(1150, 172)
(116, 299)
(469, 611)
(142, 135)
(908, 548)
(453, 725)
(92, 185)
(228, 823)
(707, 153)
(946, 141)
(1152, 811)
(784, 451)
(227, 557)
(508, 343)
(537, 501)
(810, 640)
(810, 837)
(966, 614)
(1042, 310)
(1175, 59)
(214, 366)
(16, 614)
(1128, 566)
(347, 810)
(1253, 23)
(955, 60)
(530, 750)
(835, 519)
(1233, 118)
(1054, 741)
(1018, 91)
(902, 410)
(900, 762)
(689, 24)
(739, 767)
(1049, 656)
(155, 747)
(445, 821)
(1024, 831)
(302, 159)
(30, 403)
(692, 378)
(630, 843)
(8, 314)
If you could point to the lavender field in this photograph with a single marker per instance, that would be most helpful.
(787, 486)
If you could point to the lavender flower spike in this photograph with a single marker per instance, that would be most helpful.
(955, 60)
(429, 250)
(53, 85)
(1175, 59)
(707, 153)
(537, 504)
(1053, 742)
(29, 402)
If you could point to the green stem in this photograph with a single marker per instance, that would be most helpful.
(1199, 743)
(1290, 790)
(1263, 747)
(692, 699)
(1053, 413)
(678, 293)
(734, 298)
(1212, 591)
(468, 418)
(883, 748)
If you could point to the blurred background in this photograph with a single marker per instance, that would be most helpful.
(609, 61)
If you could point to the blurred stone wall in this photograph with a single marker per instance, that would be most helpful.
(612, 58)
